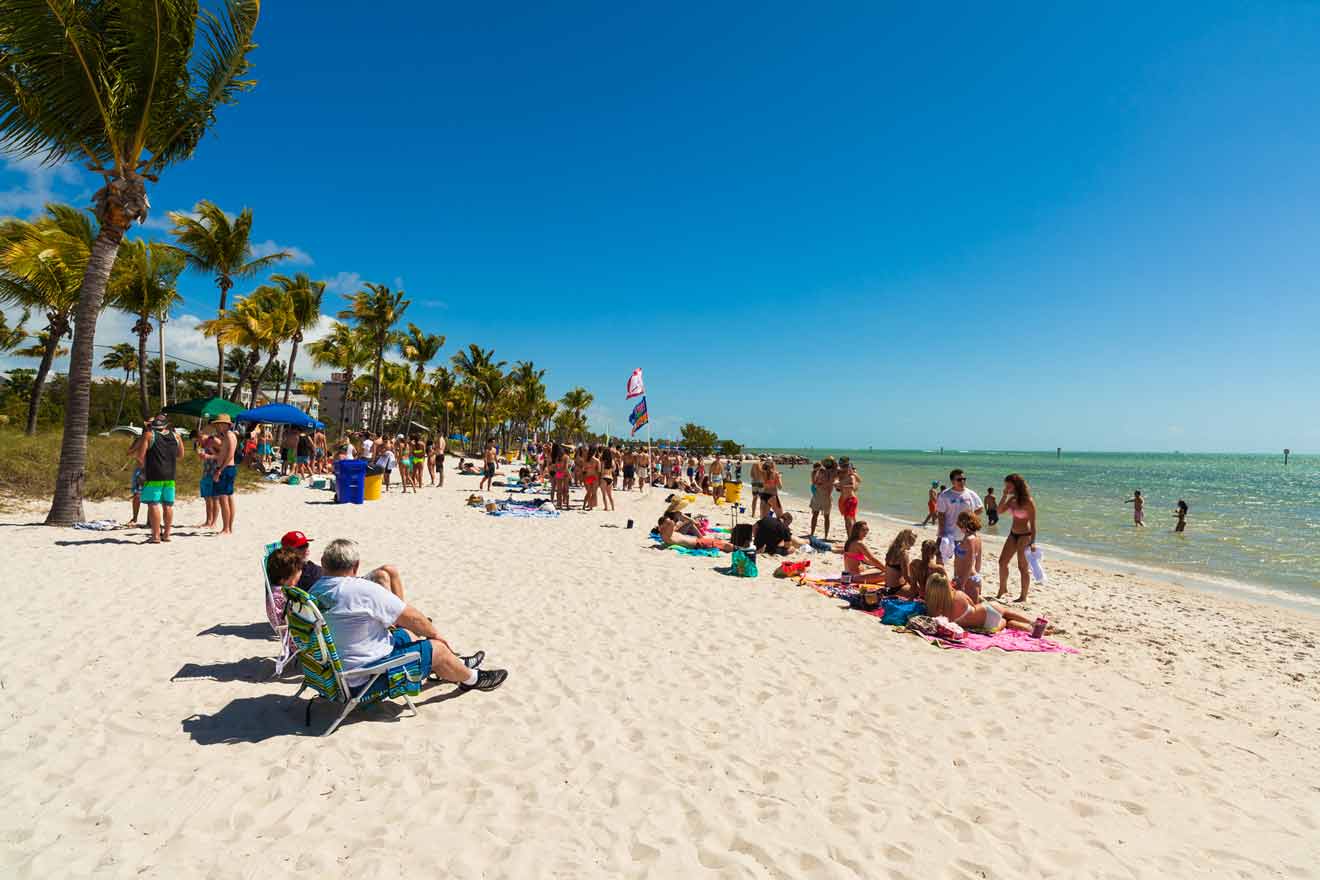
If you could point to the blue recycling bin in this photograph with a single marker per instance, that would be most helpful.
(350, 479)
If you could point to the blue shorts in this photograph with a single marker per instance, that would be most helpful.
(207, 485)
(223, 484)
(136, 485)
(403, 644)
(302, 459)
(158, 492)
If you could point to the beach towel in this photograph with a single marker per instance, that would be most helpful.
(687, 551)
(1004, 640)
(97, 525)
(523, 509)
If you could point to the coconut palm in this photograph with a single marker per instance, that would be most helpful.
(121, 357)
(241, 326)
(310, 390)
(12, 337)
(344, 350)
(475, 366)
(143, 284)
(375, 310)
(41, 269)
(304, 297)
(38, 349)
(439, 396)
(214, 244)
(419, 349)
(575, 402)
(127, 88)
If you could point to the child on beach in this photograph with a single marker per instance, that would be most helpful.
(931, 498)
(1138, 508)
(944, 601)
(991, 506)
(967, 557)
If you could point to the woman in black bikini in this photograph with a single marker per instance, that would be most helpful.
(1017, 504)
(896, 561)
(607, 477)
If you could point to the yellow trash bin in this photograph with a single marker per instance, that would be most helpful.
(371, 487)
(732, 492)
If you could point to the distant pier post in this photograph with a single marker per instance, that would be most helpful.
(1058, 452)
(1286, 453)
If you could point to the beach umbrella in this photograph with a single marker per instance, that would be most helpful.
(204, 407)
(279, 414)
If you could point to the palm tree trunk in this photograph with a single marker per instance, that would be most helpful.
(123, 396)
(40, 382)
(142, 360)
(343, 403)
(262, 375)
(237, 392)
(293, 355)
(224, 284)
(375, 396)
(66, 507)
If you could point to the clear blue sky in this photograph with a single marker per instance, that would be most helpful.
(843, 225)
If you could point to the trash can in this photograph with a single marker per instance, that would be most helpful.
(350, 476)
(371, 487)
(732, 492)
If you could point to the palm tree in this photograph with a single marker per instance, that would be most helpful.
(143, 284)
(311, 390)
(440, 394)
(305, 305)
(275, 304)
(129, 89)
(41, 269)
(241, 326)
(12, 337)
(528, 392)
(343, 350)
(418, 349)
(576, 401)
(375, 310)
(121, 357)
(214, 244)
(39, 349)
(474, 365)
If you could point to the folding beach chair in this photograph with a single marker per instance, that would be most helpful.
(323, 672)
(275, 616)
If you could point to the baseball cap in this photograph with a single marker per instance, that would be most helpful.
(160, 423)
(295, 540)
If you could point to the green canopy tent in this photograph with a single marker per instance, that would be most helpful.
(204, 407)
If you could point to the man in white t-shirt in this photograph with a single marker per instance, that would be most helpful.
(360, 613)
(367, 445)
(953, 501)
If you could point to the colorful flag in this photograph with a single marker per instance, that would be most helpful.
(638, 416)
(635, 387)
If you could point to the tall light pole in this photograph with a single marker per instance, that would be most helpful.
(161, 339)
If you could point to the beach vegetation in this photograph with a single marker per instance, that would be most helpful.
(695, 438)
(144, 284)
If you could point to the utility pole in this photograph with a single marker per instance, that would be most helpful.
(161, 339)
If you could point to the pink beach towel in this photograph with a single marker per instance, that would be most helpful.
(1005, 640)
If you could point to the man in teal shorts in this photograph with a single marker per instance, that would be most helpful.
(158, 454)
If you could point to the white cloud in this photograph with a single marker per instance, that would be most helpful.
(297, 256)
(38, 187)
(344, 282)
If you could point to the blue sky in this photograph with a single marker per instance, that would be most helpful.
(841, 225)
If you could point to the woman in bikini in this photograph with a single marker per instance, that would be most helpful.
(920, 570)
(771, 482)
(1016, 503)
(607, 478)
(856, 554)
(419, 458)
(967, 556)
(896, 562)
(942, 600)
(559, 473)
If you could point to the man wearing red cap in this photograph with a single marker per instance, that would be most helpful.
(386, 575)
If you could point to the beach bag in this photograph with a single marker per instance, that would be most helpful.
(792, 569)
(1034, 557)
(898, 612)
(948, 630)
(923, 625)
(744, 564)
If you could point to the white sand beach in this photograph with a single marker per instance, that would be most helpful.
(660, 720)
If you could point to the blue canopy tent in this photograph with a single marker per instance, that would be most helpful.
(279, 414)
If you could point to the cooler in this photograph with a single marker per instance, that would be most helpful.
(371, 487)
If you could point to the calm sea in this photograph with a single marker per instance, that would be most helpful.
(1254, 523)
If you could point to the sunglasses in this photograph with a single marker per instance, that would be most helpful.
(960, 479)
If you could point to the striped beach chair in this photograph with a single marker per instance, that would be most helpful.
(275, 616)
(323, 672)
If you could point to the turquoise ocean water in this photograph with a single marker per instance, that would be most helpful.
(1254, 524)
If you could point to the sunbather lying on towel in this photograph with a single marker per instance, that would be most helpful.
(942, 600)
(669, 533)
(360, 614)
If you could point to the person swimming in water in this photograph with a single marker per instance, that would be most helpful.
(1181, 513)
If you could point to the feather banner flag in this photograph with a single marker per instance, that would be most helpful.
(638, 416)
(635, 386)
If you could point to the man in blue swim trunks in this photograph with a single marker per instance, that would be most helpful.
(158, 455)
(222, 485)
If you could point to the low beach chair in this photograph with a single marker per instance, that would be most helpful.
(275, 616)
(323, 672)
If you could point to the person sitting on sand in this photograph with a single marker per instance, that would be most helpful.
(967, 556)
(896, 561)
(920, 570)
(386, 576)
(360, 615)
(468, 469)
(942, 600)
(671, 537)
(856, 554)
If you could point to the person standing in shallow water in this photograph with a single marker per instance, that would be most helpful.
(1181, 513)
(1138, 508)
(991, 506)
